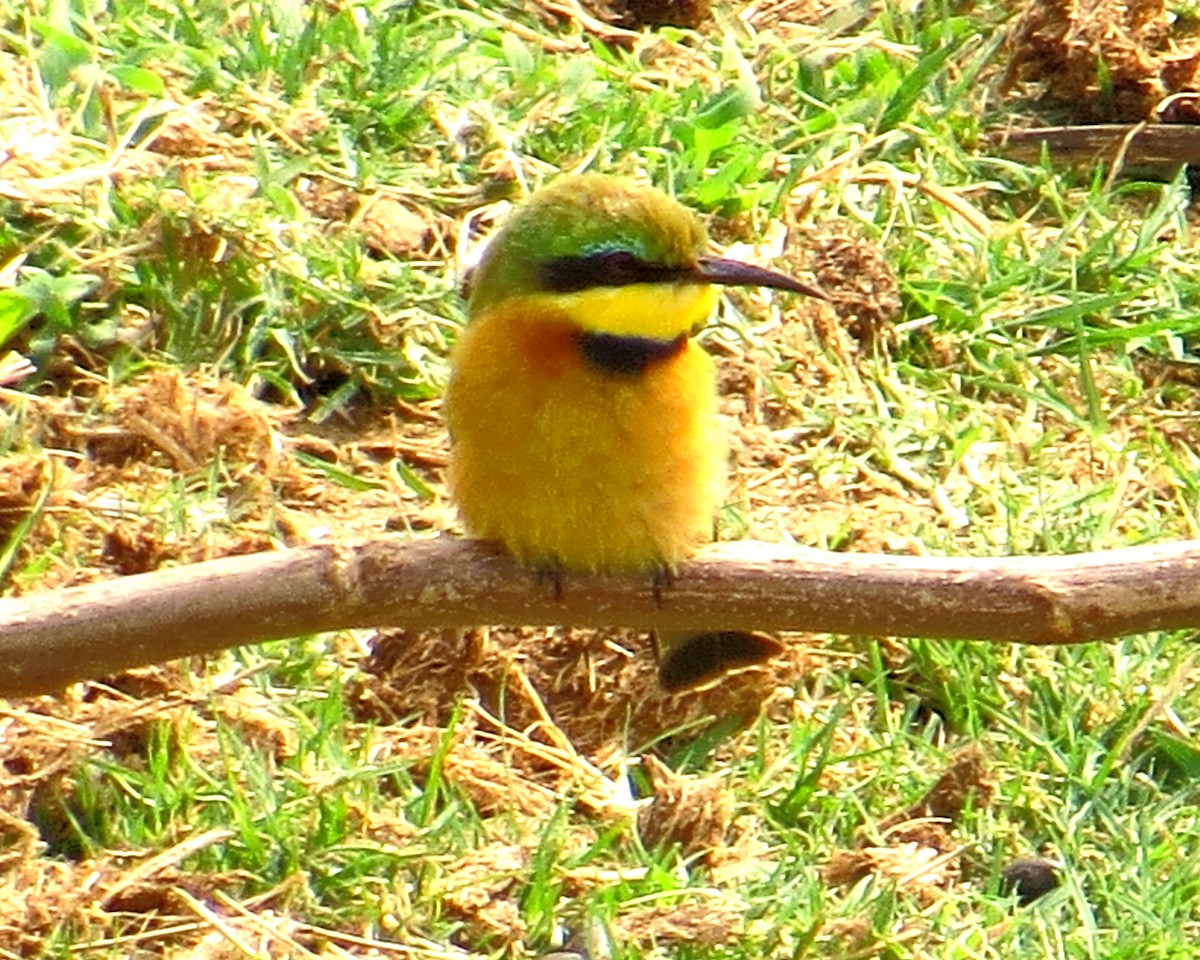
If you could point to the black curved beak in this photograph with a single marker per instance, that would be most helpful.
(734, 273)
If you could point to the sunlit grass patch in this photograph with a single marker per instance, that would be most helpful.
(231, 243)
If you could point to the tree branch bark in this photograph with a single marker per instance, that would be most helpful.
(1139, 144)
(51, 639)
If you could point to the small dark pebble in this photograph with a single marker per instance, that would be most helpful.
(1029, 878)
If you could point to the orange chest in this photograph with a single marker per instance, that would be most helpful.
(563, 458)
(542, 391)
(613, 365)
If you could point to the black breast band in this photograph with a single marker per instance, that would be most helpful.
(627, 356)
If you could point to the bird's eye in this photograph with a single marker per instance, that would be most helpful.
(607, 268)
(618, 267)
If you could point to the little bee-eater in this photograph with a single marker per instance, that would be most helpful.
(582, 414)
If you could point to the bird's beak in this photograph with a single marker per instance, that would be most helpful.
(734, 273)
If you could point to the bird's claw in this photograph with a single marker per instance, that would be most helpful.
(551, 574)
(664, 580)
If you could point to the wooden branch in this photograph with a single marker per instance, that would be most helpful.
(1156, 144)
(51, 639)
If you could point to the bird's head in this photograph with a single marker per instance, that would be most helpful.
(616, 256)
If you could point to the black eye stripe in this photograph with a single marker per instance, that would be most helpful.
(609, 268)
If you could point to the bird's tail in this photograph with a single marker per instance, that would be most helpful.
(689, 660)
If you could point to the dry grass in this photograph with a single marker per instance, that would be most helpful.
(499, 792)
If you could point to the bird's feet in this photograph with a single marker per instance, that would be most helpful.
(664, 580)
(552, 574)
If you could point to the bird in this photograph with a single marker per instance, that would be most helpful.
(582, 412)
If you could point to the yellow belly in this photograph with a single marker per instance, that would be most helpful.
(571, 467)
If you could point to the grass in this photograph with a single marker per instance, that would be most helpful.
(185, 193)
